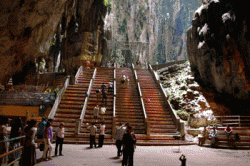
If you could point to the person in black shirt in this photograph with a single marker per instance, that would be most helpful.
(183, 160)
(104, 97)
(128, 141)
(103, 87)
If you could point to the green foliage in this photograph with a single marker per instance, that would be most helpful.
(122, 27)
(182, 114)
(108, 4)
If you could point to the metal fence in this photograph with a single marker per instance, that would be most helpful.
(15, 151)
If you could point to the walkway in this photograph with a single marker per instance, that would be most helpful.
(77, 155)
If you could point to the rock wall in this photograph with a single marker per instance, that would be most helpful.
(31, 30)
(218, 48)
(162, 23)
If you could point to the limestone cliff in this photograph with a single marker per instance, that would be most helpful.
(218, 47)
(33, 30)
(162, 23)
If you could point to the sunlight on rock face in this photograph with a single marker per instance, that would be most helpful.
(185, 94)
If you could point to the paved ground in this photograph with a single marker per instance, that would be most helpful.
(79, 155)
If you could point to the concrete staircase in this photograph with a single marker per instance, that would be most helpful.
(103, 75)
(159, 118)
(128, 106)
(128, 109)
(71, 104)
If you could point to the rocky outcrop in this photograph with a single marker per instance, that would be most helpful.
(218, 48)
(47, 29)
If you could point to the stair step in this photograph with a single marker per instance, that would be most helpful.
(70, 116)
(68, 111)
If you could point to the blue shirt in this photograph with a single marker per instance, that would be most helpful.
(40, 128)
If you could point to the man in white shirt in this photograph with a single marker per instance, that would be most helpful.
(59, 138)
(119, 136)
(93, 130)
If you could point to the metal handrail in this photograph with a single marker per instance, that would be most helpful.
(114, 103)
(12, 139)
(139, 89)
(114, 82)
(143, 109)
(232, 116)
(135, 74)
(90, 87)
(12, 151)
(94, 74)
(84, 108)
(114, 88)
(114, 119)
(80, 70)
(58, 99)
(79, 121)
(133, 66)
(239, 118)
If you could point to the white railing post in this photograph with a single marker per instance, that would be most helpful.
(114, 104)
(79, 71)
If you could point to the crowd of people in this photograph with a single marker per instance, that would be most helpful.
(44, 133)
(214, 136)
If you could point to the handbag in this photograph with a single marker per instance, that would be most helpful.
(41, 147)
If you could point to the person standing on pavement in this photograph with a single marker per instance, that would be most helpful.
(29, 147)
(101, 135)
(59, 138)
(118, 136)
(129, 142)
(93, 130)
(40, 130)
(3, 136)
(183, 160)
(47, 143)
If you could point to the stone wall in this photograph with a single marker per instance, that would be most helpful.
(218, 48)
(32, 30)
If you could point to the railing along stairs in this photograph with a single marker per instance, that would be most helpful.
(79, 121)
(58, 99)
